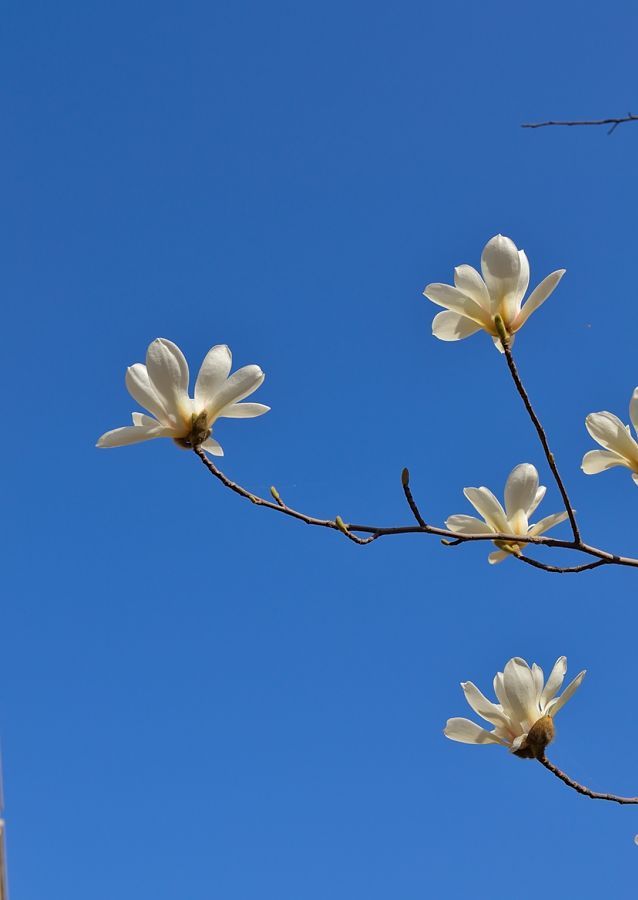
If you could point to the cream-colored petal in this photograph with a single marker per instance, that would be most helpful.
(554, 681)
(460, 524)
(486, 504)
(537, 674)
(520, 690)
(611, 433)
(501, 267)
(555, 705)
(213, 447)
(633, 409)
(244, 410)
(467, 732)
(498, 556)
(139, 386)
(484, 707)
(140, 419)
(212, 375)
(132, 434)
(451, 298)
(540, 493)
(538, 296)
(452, 326)
(168, 373)
(595, 461)
(548, 522)
(470, 283)
(521, 489)
(241, 384)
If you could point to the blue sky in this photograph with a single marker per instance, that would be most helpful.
(200, 699)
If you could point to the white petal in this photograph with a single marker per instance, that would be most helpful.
(499, 689)
(595, 461)
(240, 384)
(486, 504)
(212, 375)
(633, 409)
(520, 690)
(168, 372)
(540, 493)
(140, 419)
(610, 433)
(468, 732)
(484, 707)
(140, 388)
(132, 434)
(501, 267)
(468, 525)
(213, 447)
(523, 278)
(470, 283)
(554, 705)
(537, 674)
(521, 489)
(451, 298)
(548, 522)
(497, 557)
(244, 410)
(538, 296)
(518, 741)
(452, 326)
(554, 681)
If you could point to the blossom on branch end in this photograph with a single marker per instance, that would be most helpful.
(621, 449)
(522, 495)
(161, 387)
(473, 303)
(523, 716)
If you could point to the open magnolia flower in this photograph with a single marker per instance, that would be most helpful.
(620, 447)
(161, 387)
(473, 303)
(522, 496)
(524, 701)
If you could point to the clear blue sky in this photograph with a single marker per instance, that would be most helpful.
(199, 699)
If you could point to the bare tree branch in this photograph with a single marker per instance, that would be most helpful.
(505, 341)
(595, 795)
(630, 117)
(353, 531)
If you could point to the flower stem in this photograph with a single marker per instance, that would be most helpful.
(539, 428)
(595, 795)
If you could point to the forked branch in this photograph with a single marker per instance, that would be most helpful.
(614, 122)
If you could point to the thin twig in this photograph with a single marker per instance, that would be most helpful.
(405, 481)
(451, 538)
(595, 795)
(539, 428)
(560, 569)
(630, 117)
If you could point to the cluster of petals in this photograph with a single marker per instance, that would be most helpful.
(620, 447)
(523, 698)
(473, 302)
(522, 495)
(161, 387)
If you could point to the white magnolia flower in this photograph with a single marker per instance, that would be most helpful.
(522, 496)
(161, 387)
(473, 302)
(523, 699)
(621, 448)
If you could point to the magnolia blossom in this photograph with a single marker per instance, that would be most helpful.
(161, 387)
(621, 449)
(473, 302)
(522, 496)
(523, 700)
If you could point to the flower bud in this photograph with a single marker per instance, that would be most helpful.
(539, 736)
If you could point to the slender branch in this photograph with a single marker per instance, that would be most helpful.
(595, 795)
(537, 425)
(614, 122)
(405, 481)
(560, 569)
(451, 538)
